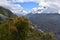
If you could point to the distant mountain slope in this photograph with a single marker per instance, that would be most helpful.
(6, 12)
(47, 22)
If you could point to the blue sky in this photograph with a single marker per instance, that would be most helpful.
(16, 6)
(29, 5)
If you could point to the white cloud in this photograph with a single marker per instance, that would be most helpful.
(16, 1)
(4, 3)
(37, 10)
(15, 8)
(51, 5)
(20, 0)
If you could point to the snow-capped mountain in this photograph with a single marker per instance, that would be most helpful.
(21, 13)
(37, 10)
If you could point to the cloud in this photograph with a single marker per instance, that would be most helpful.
(54, 5)
(37, 10)
(54, 2)
(51, 5)
(4, 2)
(14, 1)
(15, 8)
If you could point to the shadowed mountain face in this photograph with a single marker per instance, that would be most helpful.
(6, 12)
(47, 22)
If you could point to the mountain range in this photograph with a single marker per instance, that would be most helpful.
(46, 22)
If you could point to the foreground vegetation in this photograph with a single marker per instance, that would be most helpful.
(21, 29)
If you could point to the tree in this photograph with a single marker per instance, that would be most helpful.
(21, 29)
(50, 36)
(22, 25)
(4, 31)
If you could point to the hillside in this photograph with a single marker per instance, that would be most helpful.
(6, 12)
(21, 29)
(47, 22)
